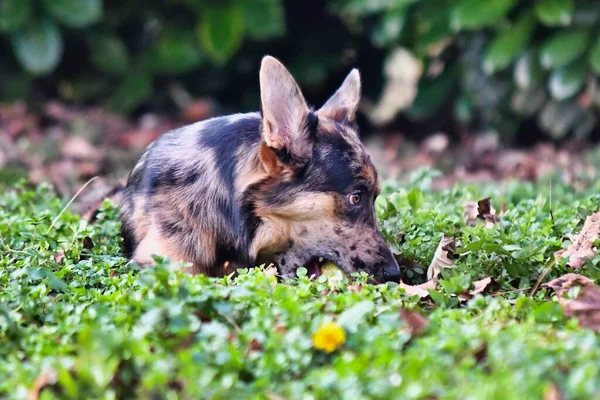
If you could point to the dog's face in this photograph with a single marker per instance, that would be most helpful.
(319, 197)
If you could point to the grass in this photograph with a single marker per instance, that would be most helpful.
(80, 323)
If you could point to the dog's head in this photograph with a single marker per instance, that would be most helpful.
(318, 202)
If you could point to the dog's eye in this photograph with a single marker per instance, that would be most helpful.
(354, 198)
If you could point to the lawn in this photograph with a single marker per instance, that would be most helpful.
(79, 321)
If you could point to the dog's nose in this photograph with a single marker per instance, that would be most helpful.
(391, 273)
(391, 270)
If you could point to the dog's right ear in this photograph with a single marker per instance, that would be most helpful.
(285, 114)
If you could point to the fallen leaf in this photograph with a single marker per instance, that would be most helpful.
(579, 297)
(355, 288)
(87, 245)
(582, 244)
(435, 145)
(253, 346)
(470, 213)
(415, 321)
(481, 353)
(552, 392)
(59, 256)
(440, 258)
(138, 138)
(44, 379)
(419, 290)
(78, 148)
(482, 210)
(198, 110)
(486, 212)
(478, 287)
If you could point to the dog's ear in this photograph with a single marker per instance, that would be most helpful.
(342, 105)
(285, 113)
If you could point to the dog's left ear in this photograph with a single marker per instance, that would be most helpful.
(342, 105)
(285, 113)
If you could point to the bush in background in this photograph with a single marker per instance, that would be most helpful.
(497, 62)
(120, 49)
(489, 64)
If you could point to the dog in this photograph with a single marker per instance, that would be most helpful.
(288, 185)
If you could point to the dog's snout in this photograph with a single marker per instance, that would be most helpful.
(391, 273)
(391, 270)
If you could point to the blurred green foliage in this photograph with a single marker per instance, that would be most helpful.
(122, 48)
(535, 60)
(490, 64)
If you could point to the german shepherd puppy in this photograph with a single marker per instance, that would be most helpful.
(289, 186)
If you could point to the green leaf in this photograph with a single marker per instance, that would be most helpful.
(415, 199)
(474, 14)
(132, 91)
(567, 81)
(595, 56)
(554, 12)
(352, 317)
(362, 7)
(586, 14)
(263, 19)
(389, 28)
(75, 13)
(221, 31)
(39, 47)
(528, 72)
(84, 88)
(432, 93)
(176, 52)
(14, 14)
(507, 45)
(563, 47)
(109, 54)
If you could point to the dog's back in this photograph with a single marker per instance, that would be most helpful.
(182, 197)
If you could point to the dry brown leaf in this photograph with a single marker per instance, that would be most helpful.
(415, 321)
(582, 244)
(435, 145)
(470, 213)
(87, 245)
(253, 346)
(44, 379)
(59, 256)
(440, 258)
(483, 210)
(552, 392)
(355, 288)
(478, 287)
(486, 212)
(586, 304)
(79, 148)
(419, 290)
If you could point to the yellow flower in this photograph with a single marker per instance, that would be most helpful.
(329, 337)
